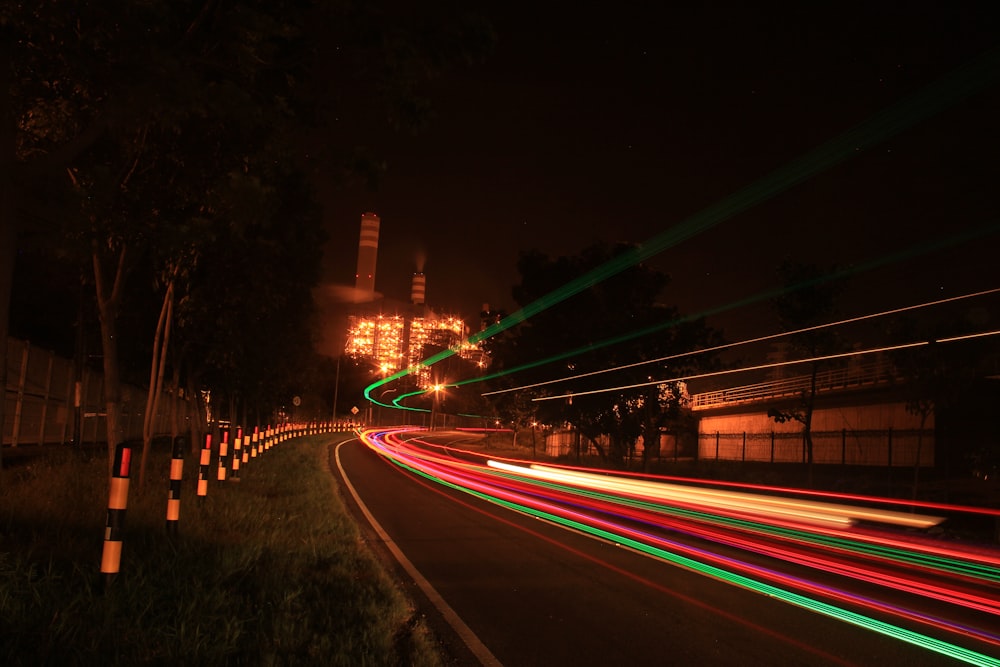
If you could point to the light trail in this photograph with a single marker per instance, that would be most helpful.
(776, 364)
(942, 584)
(715, 348)
(964, 81)
(804, 510)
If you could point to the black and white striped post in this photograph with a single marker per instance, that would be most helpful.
(174, 492)
(246, 449)
(237, 455)
(111, 555)
(206, 459)
(223, 455)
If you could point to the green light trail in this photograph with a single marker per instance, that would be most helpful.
(967, 80)
(908, 253)
(790, 597)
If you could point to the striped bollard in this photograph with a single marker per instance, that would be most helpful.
(268, 440)
(246, 449)
(254, 438)
(206, 459)
(174, 493)
(111, 556)
(223, 456)
(237, 455)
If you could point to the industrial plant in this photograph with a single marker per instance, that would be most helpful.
(394, 335)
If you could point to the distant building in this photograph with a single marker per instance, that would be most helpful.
(395, 335)
(367, 254)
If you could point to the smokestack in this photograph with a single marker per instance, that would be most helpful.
(367, 254)
(418, 289)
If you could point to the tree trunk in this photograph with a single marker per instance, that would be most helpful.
(108, 299)
(161, 342)
(807, 424)
(196, 414)
(924, 413)
(8, 220)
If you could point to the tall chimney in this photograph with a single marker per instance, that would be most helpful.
(367, 254)
(418, 288)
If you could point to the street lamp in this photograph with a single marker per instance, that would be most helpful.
(434, 402)
(533, 425)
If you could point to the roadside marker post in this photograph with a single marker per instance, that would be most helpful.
(111, 555)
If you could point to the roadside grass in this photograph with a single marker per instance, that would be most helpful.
(270, 570)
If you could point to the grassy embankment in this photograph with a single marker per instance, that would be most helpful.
(267, 571)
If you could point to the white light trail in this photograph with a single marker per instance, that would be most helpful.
(855, 353)
(749, 341)
(803, 511)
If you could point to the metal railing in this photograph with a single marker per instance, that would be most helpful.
(853, 376)
(48, 401)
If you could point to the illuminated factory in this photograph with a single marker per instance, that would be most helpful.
(399, 339)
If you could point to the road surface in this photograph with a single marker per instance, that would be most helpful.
(515, 589)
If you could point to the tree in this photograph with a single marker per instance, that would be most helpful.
(617, 323)
(936, 377)
(809, 301)
(146, 118)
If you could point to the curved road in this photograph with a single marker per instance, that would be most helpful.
(522, 591)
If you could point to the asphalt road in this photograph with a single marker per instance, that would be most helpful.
(526, 592)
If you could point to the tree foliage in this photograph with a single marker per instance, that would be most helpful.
(810, 300)
(937, 377)
(158, 143)
(618, 323)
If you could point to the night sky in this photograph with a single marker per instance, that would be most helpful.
(589, 124)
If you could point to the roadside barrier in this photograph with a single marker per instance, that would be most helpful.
(244, 446)
(111, 555)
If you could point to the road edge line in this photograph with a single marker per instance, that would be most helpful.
(470, 638)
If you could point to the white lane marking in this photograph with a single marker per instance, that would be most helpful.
(475, 645)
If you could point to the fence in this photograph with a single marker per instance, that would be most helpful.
(888, 447)
(48, 402)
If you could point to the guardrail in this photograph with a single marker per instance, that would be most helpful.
(854, 376)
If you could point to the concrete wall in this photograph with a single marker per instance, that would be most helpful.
(878, 434)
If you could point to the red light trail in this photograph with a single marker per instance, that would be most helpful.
(860, 559)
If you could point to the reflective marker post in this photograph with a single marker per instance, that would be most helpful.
(111, 555)
(174, 493)
(237, 455)
(223, 454)
(206, 458)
